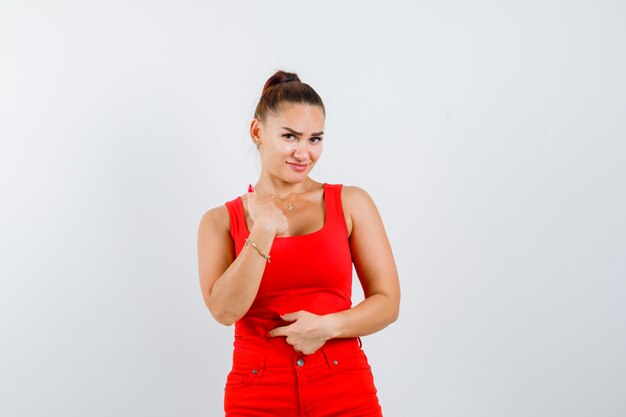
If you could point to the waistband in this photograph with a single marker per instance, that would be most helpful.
(333, 350)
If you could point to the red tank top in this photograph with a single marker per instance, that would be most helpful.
(311, 272)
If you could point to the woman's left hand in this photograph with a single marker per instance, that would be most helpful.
(307, 333)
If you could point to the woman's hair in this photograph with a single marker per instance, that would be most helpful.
(284, 88)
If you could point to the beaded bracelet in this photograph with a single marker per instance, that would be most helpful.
(248, 241)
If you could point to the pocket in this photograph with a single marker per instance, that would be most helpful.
(352, 362)
(247, 368)
(238, 377)
(352, 375)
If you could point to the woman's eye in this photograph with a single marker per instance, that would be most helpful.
(291, 137)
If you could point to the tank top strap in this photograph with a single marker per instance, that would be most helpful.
(236, 216)
(334, 214)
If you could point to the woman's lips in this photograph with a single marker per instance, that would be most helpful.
(298, 167)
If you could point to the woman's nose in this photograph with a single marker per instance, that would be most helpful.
(301, 150)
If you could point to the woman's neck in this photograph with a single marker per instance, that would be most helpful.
(281, 189)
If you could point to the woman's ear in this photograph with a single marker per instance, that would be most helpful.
(255, 131)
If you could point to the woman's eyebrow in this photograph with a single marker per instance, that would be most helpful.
(300, 133)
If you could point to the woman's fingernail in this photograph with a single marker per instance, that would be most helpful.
(250, 188)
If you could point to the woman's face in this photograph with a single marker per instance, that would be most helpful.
(291, 142)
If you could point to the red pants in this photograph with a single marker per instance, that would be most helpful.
(334, 381)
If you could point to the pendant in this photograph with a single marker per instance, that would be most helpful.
(290, 206)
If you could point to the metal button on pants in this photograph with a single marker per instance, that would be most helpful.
(334, 381)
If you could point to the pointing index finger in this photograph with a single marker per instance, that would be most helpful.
(279, 331)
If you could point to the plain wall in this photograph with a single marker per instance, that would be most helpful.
(491, 135)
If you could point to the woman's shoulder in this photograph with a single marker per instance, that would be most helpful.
(353, 195)
(356, 203)
(216, 218)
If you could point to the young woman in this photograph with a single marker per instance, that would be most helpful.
(277, 262)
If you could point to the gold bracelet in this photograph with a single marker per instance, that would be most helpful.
(248, 241)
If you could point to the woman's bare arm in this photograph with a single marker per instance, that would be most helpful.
(229, 285)
(375, 267)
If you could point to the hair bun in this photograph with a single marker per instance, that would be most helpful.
(279, 90)
(280, 77)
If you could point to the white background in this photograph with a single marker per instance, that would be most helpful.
(491, 134)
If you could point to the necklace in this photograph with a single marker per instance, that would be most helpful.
(291, 206)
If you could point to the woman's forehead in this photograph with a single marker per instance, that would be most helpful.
(299, 116)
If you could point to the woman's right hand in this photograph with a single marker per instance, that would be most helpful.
(266, 213)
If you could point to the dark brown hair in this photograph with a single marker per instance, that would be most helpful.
(282, 88)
